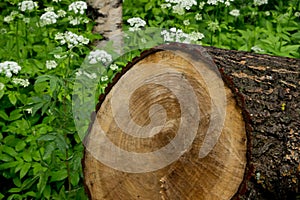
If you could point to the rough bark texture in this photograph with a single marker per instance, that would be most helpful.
(267, 90)
(108, 17)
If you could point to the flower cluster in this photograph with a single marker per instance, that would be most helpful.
(176, 35)
(48, 18)
(216, 2)
(99, 56)
(27, 6)
(260, 2)
(22, 82)
(180, 5)
(12, 16)
(213, 26)
(77, 20)
(257, 49)
(113, 67)
(81, 72)
(78, 7)
(235, 13)
(136, 23)
(9, 67)
(71, 39)
(51, 64)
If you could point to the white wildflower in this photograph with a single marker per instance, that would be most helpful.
(195, 36)
(27, 6)
(99, 56)
(104, 78)
(165, 5)
(113, 67)
(184, 4)
(3, 31)
(267, 13)
(57, 56)
(48, 18)
(235, 12)
(178, 10)
(213, 26)
(297, 14)
(2, 86)
(136, 23)
(61, 13)
(90, 76)
(78, 7)
(201, 5)
(49, 9)
(9, 67)
(212, 2)
(260, 2)
(51, 64)
(29, 110)
(175, 35)
(22, 82)
(198, 17)
(56, 1)
(227, 3)
(8, 19)
(26, 20)
(71, 39)
(186, 22)
(74, 21)
(256, 49)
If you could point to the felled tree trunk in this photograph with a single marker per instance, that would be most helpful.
(247, 148)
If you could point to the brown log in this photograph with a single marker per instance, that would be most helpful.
(216, 176)
(266, 90)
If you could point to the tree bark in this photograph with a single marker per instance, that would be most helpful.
(262, 117)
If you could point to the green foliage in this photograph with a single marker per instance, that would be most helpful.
(272, 28)
(40, 153)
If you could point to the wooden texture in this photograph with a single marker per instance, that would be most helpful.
(108, 17)
(266, 89)
(216, 176)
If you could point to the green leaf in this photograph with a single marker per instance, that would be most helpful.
(1, 196)
(48, 150)
(1, 95)
(8, 165)
(10, 151)
(30, 193)
(14, 115)
(42, 183)
(59, 175)
(17, 181)
(6, 158)
(61, 142)
(47, 192)
(15, 190)
(47, 137)
(12, 98)
(3, 115)
(24, 170)
(29, 182)
(20, 145)
(75, 178)
(27, 156)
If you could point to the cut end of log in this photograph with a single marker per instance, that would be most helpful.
(168, 129)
